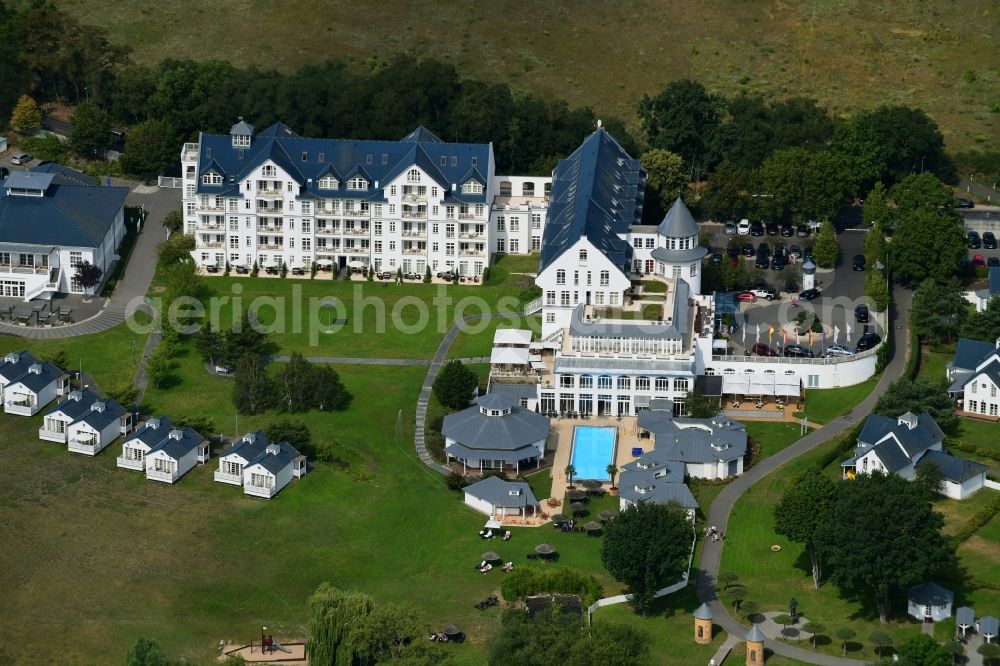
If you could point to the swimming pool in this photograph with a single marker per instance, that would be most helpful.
(593, 451)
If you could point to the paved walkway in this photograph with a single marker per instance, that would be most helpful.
(350, 360)
(138, 272)
(718, 513)
(980, 189)
(724, 649)
(440, 358)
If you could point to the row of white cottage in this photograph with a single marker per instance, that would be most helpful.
(88, 424)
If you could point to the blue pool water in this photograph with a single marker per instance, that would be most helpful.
(593, 451)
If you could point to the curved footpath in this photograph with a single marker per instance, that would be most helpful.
(718, 513)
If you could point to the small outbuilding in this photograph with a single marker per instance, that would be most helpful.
(965, 619)
(929, 602)
(988, 628)
(496, 497)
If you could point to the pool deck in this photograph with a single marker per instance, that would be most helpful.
(563, 442)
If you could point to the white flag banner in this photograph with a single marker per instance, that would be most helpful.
(836, 334)
(848, 332)
(744, 334)
(758, 334)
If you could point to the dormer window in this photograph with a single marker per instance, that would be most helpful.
(472, 187)
(413, 176)
(241, 141)
(211, 178)
(357, 183)
(328, 183)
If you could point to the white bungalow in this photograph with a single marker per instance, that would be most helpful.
(147, 437)
(243, 452)
(271, 471)
(57, 420)
(13, 366)
(929, 602)
(496, 497)
(40, 385)
(98, 427)
(176, 455)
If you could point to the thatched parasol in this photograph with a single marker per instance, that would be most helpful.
(592, 526)
(559, 518)
(544, 549)
(606, 515)
(591, 484)
(450, 630)
(575, 494)
(491, 556)
(578, 507)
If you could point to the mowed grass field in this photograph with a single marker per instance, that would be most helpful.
(848, 54)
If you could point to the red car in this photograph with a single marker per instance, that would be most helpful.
(746, 296)
(760, 349)
(978, 261)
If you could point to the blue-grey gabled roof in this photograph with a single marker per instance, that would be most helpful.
(249, 447)
(241, 128)
(597, 192)
(692, 440)
(497, 492)
(915, 440)
(644, 486)
(15, 364)
(988, 626)
(152, 432)
(276, 457)
(929, 594)
(952, 468)
(422, 135)
(969, 353)
(483, 433)
(76, 404)
(28, 180)
(994, 281)
(101, 414)
(678, 222)
(178, 443)
(965, 616)
(67, 215)
(38, 376)
(375, 159)
(63, 175)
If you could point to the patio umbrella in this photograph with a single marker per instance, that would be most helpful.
(592, 526)
(324, 262)
(355, 264)
(577, 507)
(575, 494)
(490, 556)
(271, 263)
(559, 518)
(591, 484)
(209, 262)
(544, 549)
(450, 630)
(605, 515)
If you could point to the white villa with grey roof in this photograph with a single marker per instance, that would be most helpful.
(974, 378)
(176, 455)
(498, 498)
(97, 427)
(145, 438)
(273, 198)
(495, 434)
(57, 420)
(35, 388)
(900, 445)
(51, 219)
(261, 468)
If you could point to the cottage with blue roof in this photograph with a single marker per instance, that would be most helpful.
(57, 420)
(273, 198)
(981, 298)
(901, 445)
(51, 219)
(36, 387)
(272, 470)
(974, 378)
(147, 437)
(240, 454)
(13, 365)
(97, 427)
(176, 455)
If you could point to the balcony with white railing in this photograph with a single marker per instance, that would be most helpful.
(470, 236)
(18, 269)
(467, 216)
(88, 446)
(226, 477)
(271, 246)
(356, 231)
(22, 405)
(270, 229)
(133, 461)
(160, 475)
(414, 250)
(356, 250)
(211, 205)
(213, 225)
(414, 214)
(267, 492)
(52, 434)
(327, 231)
(415, 198)
(269, 193)
(190, 152)
(210, 245)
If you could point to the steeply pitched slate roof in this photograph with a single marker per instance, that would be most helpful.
(952, 468)
(69, 215)
(893, 458)
(923, 436)
(275, 457)
(422, 135)
(12, 369)
(75, 404)
(968, 353)
(36, 381)
(692, 440)
(152, 432)
(510, 432)
(678, 222)
(250, 447)
(496, 491)
(446, 163)
(176, 447)
(596, 193)
(99, 419)
(657, 490)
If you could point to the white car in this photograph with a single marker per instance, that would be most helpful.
(744, 227)
(837, 350)
(764, 292)
(20, 158)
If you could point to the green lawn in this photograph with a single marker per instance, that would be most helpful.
(982, 435)
(477, 339)
(772, 437)
(824, 405)
(435, 409)
(932, 361)
(519, 263)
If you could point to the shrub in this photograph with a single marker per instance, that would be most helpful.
(527, 581)
(455, 481)
(977, 520)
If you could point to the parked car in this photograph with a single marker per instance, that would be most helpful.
(993, 262)
(978, 261)
(837, 350)
(861, 314)
(989, 241)
(716, 259)
(787, 231)
(974, 242)
(762, 261)
(771, 228)
(20, 158)
(730, 228)
(858, 264)
(810, 294)
(220, 369)
(778, 262)
(764, 292)
(795, 252)
(764, 249)
(966, 203)
(746, 296)
(744, 227)
(798, 351)
(747, 250)
(803, 231)
(760, 349)
(807, 253)
(733, 251)
(867, 341)
(756, 229)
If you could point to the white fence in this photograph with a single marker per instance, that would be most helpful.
(992, 484)
(172, 183)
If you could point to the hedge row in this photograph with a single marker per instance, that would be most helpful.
(977, 450)
(978, 519)
(913, 363)
(526, 581)
(846, 446)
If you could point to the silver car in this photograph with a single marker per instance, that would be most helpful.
(20, 158)
(730, 228)
(837, 350)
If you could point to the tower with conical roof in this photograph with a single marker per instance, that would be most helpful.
(755, 647)
(678, 254)
(703, 624)
(808, 274)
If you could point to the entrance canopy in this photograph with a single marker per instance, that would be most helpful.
(761, 384)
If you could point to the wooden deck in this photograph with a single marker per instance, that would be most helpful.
(252, 655)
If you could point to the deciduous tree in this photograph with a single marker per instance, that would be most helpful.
(923, 650)
(26, 117)
(455, 385)
(146, 652)
(91, 130)
(681, 118)
(826, 250)
(252, 388)
(921, 190)
(984, 325)
(927, 243)
(798, 185)
(938, 310)
(333, 613)
(928, 476)
(918, 395)
(150, 149)
(666, 178)
(876, 289)
(800, 513)
(88, 275)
